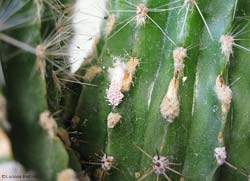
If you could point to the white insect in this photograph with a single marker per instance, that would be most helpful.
(116, 75)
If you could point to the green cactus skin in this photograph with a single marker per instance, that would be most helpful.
(26, 95)
(237, 132)
(208, 119)
(193, 136)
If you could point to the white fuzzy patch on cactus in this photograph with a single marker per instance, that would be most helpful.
(227, 42)
(141, 14)
(170, 106)
(220, 154)
(48, 123)
(86, 22)
(179, 54)
(107, 162)
(160, 165)
(224, 94)
(113, 119)
(116, 75)
(67, 175)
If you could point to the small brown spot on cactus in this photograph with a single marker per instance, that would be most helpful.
(64, 136)
(170, 106)
(109, 25)
(220, 138)
(224, 94)
(91, 73)
(107, 162)
(129, 73)
(227, 42)
(48, 123)
(141, 14)
(179, 54)
(113, 119)
(67, 175)
(137, 174)
(5, 145)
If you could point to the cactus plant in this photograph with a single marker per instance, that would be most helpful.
(190, 135)
(160, 97)
(32, 135)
